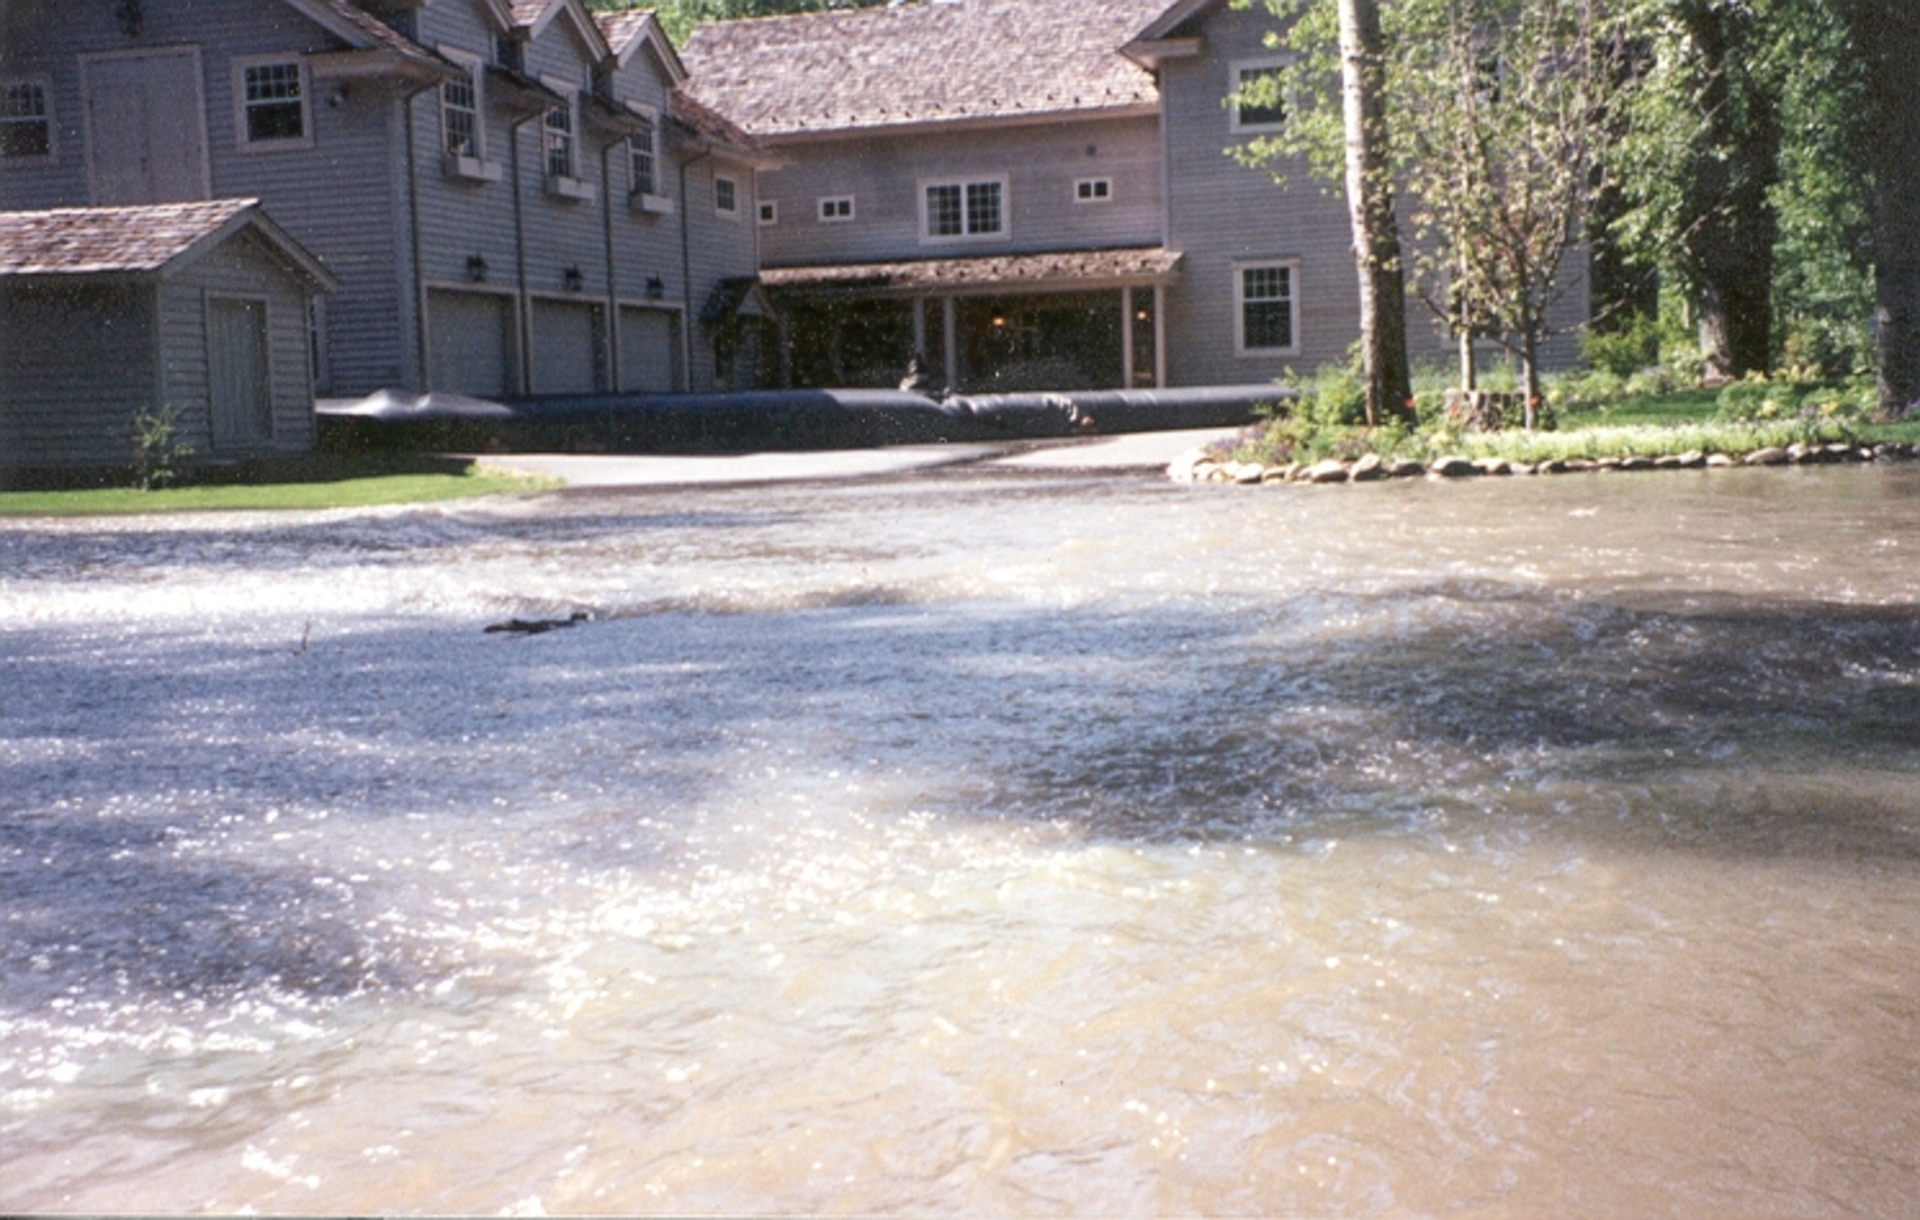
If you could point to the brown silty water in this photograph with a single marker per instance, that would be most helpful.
(973, 842)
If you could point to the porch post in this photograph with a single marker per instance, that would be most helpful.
(1126, 337)
(919, 326)
(950, 331)
(1159, 337)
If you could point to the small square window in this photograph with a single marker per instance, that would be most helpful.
(273, 103)
(769, 212)
(726, 196)
(836, 208)
(26, 121)
(1093, 190)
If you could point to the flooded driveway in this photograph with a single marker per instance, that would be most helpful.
(974, 840)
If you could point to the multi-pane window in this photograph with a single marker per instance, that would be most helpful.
(836, 208)
(1258, 104)
(460, 114)
(960, 210)
(559, 141)
(726, 196)
(642, 162)
(1093, 190)
(1266, 300)
(274, 103)
(26, 125)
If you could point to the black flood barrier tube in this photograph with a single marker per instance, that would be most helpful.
(768, 419)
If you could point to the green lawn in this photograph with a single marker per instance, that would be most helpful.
(310, 483)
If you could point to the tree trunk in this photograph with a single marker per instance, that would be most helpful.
(1886, 33)
(1729, 228)
(1376, 235)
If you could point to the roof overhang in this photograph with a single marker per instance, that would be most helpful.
(519, 92)
(924, 126)
(1150, 53)
(1172, 18)
(371, 64)
(1056, 271)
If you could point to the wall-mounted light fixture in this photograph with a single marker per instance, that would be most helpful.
(572, 279)
(477, 269)
(132, 18)
(656, 288)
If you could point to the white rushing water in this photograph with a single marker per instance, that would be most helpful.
(972, 842)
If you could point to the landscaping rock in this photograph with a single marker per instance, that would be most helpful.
(1404, 468)
(1717, 460)
(1578, 464)
(1368, 468)
(1800, 452)
(1636, 462)
(1246, 472)
(1452, 467)
(1772, 455)
(1551, 466)
(1520, 467)
(1492, 465)
(1329, 471)
(1692, 459)
(1278, 474)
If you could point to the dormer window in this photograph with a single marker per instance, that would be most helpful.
(558, 130)
(642, 162)
(460, 114)
(509, 53)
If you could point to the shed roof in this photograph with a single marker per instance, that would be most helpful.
(930, 61)
(150, 240)
(1144, 264)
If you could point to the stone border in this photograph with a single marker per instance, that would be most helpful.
(1200, 466)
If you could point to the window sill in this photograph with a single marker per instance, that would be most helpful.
(472, 169)
(561, 187)
(659, 205)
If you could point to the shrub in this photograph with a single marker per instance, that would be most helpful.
(158, 447)
(1626, 351)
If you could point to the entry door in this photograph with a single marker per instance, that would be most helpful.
(239, 381)
(146, 127)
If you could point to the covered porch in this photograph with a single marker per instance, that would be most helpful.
(1078, 320)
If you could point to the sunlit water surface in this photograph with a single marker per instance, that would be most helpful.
(975, 842)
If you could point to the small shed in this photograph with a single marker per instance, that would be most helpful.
(201, 310)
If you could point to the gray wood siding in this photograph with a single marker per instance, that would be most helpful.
(77, 363)
(342, 196)
(717, 248)
(242, 268)
(1041, 164)
(646, 245)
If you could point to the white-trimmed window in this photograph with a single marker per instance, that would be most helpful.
(969, 210)
(1258, 103)
(726, 197)
(26, 119)
(769, 212)
(460, 132)
(272, 102)
(557, 141)
(1093, 190)
(643, 162)
(836, 209)
(1266, 307)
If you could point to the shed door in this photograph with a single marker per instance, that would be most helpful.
(238, 381)
(471, 337)
(568, 351)
(649, 353)
(146, 128)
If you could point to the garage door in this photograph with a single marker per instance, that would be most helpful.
(471, 337)
(566, 348)
(649, 351)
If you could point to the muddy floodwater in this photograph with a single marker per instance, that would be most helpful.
(977, 841)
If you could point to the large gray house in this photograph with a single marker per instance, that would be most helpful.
(511, 195)
(1035, 194)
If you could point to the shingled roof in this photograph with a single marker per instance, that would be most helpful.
(1144, 264)
(136, 241)
(922, 62)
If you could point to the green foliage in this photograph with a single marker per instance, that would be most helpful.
(158, 446)
(1797, 397)
(1626, 351)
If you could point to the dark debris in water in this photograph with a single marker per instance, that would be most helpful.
(537, 626)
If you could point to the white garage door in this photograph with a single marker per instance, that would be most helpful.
(471, 337)
(649, 351)
(566, 348)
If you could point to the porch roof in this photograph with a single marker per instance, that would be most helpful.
(149, 240)
(1065, 269)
